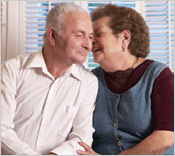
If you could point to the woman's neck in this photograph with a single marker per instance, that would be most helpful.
(122, 64)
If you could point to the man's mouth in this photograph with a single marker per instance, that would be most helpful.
(83, 52)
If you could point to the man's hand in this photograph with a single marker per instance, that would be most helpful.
(89, 150)
(50, 153)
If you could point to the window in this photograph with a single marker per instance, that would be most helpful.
(160, 19)
(24, 26)
(36, 13)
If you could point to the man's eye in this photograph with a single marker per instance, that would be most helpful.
(79, 35)
(91, 37)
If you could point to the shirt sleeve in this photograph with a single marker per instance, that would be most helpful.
(82, 126)
(163, 101)
(10, 143)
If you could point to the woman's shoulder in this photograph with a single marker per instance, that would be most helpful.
(157, 64)
(97, 71)
(155, 68)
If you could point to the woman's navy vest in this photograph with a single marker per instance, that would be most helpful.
(123, 120)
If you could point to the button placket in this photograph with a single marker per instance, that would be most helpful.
(115, 125)
(45, 114)
(119, 143)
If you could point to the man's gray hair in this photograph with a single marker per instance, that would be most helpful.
(56, 16)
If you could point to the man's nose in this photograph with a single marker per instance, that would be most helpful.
(87, 43)
(93, 41)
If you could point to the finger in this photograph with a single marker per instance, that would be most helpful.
(86, 147)
(82, 152)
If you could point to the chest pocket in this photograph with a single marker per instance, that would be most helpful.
(66, 120)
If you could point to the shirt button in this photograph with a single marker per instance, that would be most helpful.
(119, 143)
(115, 125)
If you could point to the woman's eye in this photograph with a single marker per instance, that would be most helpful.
(99, 34)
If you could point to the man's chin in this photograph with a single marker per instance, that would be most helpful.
(81, 60)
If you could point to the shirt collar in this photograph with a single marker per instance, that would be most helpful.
(75, 71)
(36, 60)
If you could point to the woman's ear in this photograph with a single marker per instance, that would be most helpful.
(51, 34)
(126, 38)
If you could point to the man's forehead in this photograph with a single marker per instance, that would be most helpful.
(77, 14)
(79, 22)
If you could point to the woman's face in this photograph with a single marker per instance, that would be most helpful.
(106, 45)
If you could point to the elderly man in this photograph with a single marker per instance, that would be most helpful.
(48, 97)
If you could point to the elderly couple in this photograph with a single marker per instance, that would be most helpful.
(51, 104)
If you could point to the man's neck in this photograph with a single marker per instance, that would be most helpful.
(56, 71)
(55, 67)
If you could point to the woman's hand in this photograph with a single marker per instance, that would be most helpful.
(89, 150)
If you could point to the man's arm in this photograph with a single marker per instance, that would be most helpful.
(82, 129)
(10, 143)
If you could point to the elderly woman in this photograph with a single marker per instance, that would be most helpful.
(134, 110)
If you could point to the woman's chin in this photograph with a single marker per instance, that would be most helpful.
(96, 60)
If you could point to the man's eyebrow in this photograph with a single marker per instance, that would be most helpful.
(83, 32)
(80, 30)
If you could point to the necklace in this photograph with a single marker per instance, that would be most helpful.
(135, 61)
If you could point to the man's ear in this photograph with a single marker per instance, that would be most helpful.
(51, 34)
(126, 38)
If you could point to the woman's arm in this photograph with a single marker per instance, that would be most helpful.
(156, 143)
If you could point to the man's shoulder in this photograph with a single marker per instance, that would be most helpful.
(87, 78)
(18, 61)
(14, 62)
(84, 72)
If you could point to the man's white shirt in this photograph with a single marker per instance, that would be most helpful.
(41, 114)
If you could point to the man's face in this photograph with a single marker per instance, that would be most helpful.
(75, 42)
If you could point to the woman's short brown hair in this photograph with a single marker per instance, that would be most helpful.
(124, 18)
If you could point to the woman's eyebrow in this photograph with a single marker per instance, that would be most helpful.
(96, 29)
